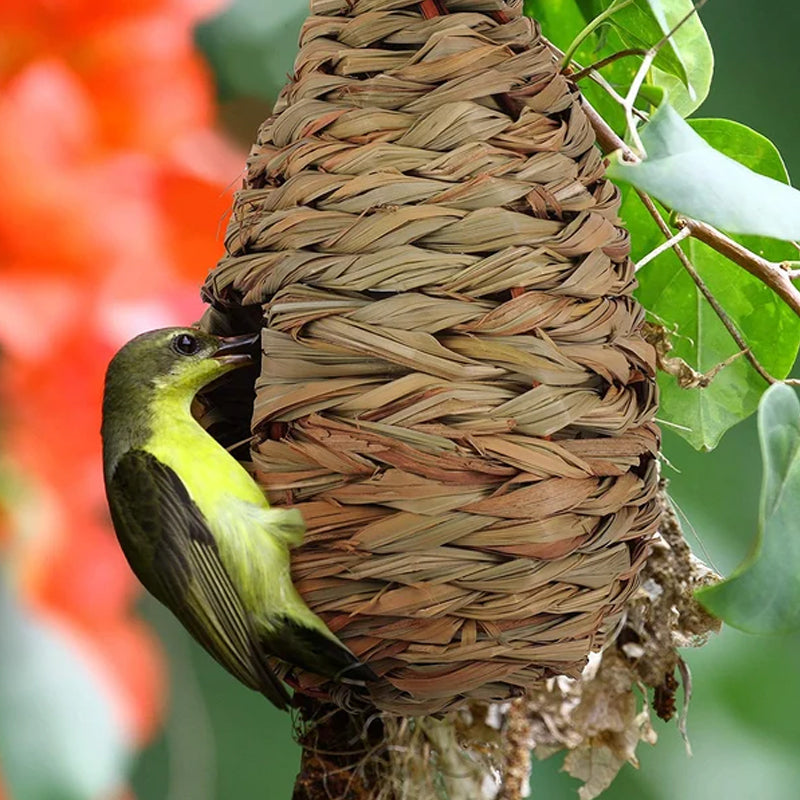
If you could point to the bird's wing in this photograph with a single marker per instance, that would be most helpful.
(177, 559)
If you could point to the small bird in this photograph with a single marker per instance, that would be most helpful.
(195, 527)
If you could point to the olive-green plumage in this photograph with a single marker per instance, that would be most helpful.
(195, 527)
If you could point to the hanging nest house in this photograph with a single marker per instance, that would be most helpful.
(454, 389)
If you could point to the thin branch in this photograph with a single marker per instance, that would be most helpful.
(790, 268)
(662, 248)
(705, 291)
(604, 62)
(604, 84)
(629, 103)
(633, 93)
(632, 51)
(768, 272)
(686, 677)
(686, 17)
(593, 69)
(606, 136)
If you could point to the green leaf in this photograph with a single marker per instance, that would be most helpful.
(652, 94)
(771, 329)
(561, 22)
(684, 64)
(642, 24)
(691, 42)
(60, 736)
(763, 594)
(685, 173)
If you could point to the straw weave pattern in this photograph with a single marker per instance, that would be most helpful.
(454, 389)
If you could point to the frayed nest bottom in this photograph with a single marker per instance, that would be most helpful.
(483, 750)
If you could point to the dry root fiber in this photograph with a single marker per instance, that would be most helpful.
(601, 718)
(454, 389)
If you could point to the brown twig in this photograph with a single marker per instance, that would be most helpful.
(606, 136)
(771, 274)
(603, 62)
(704, 290)
(768, 272)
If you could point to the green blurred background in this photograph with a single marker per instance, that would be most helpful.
(223, 741)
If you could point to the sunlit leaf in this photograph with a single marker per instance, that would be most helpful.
(770, 328)
(642, 24)
(691, 41)
(685, 173)
(763, 594)
(685, 61)
(60, 736)
(563, 20)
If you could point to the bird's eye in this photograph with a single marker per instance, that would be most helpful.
(185, 344)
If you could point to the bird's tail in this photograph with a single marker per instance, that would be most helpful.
(317, 652)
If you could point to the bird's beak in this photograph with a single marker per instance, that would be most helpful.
(237, 350)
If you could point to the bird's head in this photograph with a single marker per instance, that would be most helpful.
(183, 360)
(156, 375)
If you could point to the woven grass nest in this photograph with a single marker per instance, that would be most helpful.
(454, 390)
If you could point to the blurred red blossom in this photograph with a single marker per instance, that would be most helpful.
(115, 186)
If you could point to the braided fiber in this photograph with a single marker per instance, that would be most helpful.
(454, 390)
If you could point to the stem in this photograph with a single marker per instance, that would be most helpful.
(768, 272)
(590, 29)
(633, 51)
(705, 291)
(600, 80)
(606, 136)
(662, 248)
(630, 99)
(604, 62)
(686, 17)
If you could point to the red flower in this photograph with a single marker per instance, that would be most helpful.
(114, 191)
